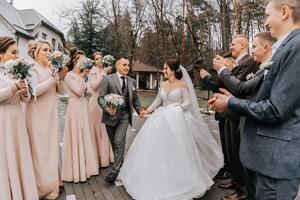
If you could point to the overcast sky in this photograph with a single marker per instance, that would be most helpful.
(48, 8)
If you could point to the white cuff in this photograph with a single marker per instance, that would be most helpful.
(222, 68)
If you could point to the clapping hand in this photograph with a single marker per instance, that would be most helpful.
(218, 62)
(219, 102)
(204, 73)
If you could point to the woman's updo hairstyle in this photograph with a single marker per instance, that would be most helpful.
(74, 55)
(35, 46)
(5, 43)
(174, 66)
(96, 54)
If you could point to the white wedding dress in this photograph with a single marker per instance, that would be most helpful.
(174, 156)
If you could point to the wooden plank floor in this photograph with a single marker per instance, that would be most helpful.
(97, 189)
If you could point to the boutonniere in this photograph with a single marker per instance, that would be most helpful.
(234, 65)
(266, 66)
(250, 76)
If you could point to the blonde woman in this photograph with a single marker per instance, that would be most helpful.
(42, 120)
(79, 160)
(104, 149)
(16, 169)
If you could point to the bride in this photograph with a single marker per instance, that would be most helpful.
(174, 156)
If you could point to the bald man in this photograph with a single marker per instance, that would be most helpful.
(244, 65)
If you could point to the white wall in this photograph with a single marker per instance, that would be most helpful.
(50, 34)
(5, 29)
(23, 47)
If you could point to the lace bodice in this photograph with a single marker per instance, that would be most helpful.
(178, 96)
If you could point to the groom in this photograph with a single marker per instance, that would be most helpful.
(118, 122)
(270, 145)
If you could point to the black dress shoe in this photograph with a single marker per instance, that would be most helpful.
(111, 177)
(223, 175)
(227, 186)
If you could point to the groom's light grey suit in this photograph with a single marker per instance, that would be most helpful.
(270, 144)
(117, 126)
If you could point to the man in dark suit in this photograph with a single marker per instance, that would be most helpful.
(244, 65)
(262, 53)
(118, 122)
(270, 145)
(214, 86)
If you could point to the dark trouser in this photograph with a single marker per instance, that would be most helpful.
(250, 180)
(223, 143)
(117, 136)
(249, 176)
(276, 189)
(232, 137)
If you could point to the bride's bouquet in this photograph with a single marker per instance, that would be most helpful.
(58, 60)
(18, 69)
(108, 60)
(114, 101)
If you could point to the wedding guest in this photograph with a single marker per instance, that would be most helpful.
(244, 65)
(262, 53)
(214, 87)
(79, 159)
(42, 120)
(270, 140)
(16, 168)
(104, 148)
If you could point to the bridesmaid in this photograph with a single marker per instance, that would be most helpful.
(79, 159)
(42, 120)
(104, 149)
(17, 179)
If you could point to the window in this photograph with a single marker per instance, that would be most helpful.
(54, 43)
(44, 36)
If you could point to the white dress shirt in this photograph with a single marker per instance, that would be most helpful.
(120, 79)
(277, 44)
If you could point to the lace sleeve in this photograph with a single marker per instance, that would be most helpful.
(185, 99)
(155, 103)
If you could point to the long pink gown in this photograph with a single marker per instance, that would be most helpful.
(79, 159)
(104, 149)
(17, 180)
(42, 125)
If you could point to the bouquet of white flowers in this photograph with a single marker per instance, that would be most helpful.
(18, 69)
(108, 60)
(86, 63)
(114, 101)
(58, 60)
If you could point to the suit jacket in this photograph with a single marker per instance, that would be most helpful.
(270, 143)
(241, 89)
(232, 78)
(111, 85)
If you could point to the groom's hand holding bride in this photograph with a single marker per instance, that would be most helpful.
(144, 113)
(219, 102)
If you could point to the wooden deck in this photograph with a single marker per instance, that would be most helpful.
(97, 189)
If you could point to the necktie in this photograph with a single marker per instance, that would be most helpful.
(123, 83)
